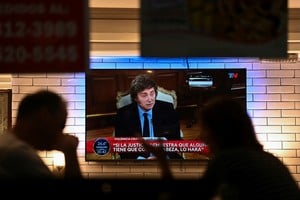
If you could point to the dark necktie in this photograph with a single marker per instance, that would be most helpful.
(146, 126)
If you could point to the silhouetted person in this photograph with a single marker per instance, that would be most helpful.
(239, 168)
(40, 121)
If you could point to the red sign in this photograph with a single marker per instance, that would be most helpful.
(43, 36)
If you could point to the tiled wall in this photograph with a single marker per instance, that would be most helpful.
(273, 101)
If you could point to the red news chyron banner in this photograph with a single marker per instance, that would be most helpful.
(102, 146)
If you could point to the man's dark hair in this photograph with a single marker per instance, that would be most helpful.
(32, 103)
(140, 83)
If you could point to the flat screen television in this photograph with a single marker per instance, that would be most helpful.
(192, 89)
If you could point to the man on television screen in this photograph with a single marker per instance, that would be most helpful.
(160, 121)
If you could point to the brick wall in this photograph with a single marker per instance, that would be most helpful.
(273, 101)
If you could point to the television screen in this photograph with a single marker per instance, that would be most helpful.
(111, 137)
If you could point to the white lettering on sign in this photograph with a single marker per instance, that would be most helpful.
(44, 36)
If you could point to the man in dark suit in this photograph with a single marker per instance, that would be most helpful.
(163, 119)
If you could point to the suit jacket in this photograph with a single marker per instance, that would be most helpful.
(164, 119)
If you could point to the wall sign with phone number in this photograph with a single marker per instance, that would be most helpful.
(40, 36)
(37, 54)
(19, 29)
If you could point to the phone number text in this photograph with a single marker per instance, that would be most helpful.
(36, 29)
(21, 54)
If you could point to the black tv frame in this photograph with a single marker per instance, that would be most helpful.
(199, 84)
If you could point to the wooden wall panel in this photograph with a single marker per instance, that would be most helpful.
(115, 31)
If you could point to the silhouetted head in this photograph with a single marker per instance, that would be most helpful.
(226, 124)
(41, 117)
